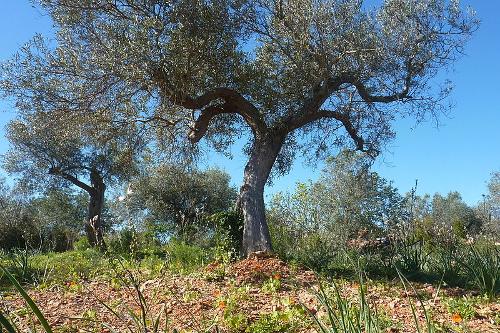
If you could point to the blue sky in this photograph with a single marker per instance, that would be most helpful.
(458, 155)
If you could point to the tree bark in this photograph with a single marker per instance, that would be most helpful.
(251, 199)
(93, 224)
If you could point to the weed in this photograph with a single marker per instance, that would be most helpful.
(272, 285)
(290, 319)
(232, 315)
(483, 268)
(465, 307)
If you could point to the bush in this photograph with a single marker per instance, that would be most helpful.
(130, 243)
(482, 265)
(228, 235)
(70, 265)
(81, 244)
(185, 258)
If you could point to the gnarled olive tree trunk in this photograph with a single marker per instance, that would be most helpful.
(96, 189)
(251, 199)
(93, 223)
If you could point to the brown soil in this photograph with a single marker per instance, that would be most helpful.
(193, 303)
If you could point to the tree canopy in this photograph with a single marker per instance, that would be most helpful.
(57, 149)
(315, 74)
(175, 202)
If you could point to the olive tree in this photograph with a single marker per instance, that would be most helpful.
(489, 208)
(347, 198)
(176, 201)
(314, 75)
(57, 148)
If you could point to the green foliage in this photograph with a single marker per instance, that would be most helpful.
(49, 222)
(170, 201)
(71, 266)
(82, 244)
(233, 317)
(130, 243)
(445, 220)
(290, 319)
(463, 306)
(412, 257)
(482, 264)
(446, 262)
(272, 285)
(185, 258)
(228, 236)
(20, 266)
(317, 221)
(4, 321)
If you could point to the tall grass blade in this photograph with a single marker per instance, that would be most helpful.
(4, 322)
(28, 300)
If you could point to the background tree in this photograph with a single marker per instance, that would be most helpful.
(60, 149)
(50, 221)
(175, 202)
(296, 74)
(489, 208)
(325, 214)
(58, 215)
(16, 224)
(443, 219)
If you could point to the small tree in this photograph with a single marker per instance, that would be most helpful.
(489, 208)
(57, 148)
(177, 201)
(347, 198)
(316, 75)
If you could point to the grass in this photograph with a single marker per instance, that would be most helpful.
(7, 323)
(482, 264)
(335, 312)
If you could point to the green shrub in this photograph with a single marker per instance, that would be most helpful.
(310, 250)
(228, 236)
(81, 244)
(185, 258)
(482, 266)
(70, 266)
(131, 243)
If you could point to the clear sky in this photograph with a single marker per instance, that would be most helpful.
(458, 155)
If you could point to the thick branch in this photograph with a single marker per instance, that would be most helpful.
(233, 102)
(321, 93)
(72, 179)
(201, 124)
(364, 92)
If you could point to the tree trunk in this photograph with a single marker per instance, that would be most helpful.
(93, 225)
(251, 199)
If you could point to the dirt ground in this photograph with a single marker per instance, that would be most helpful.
(203, 301)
